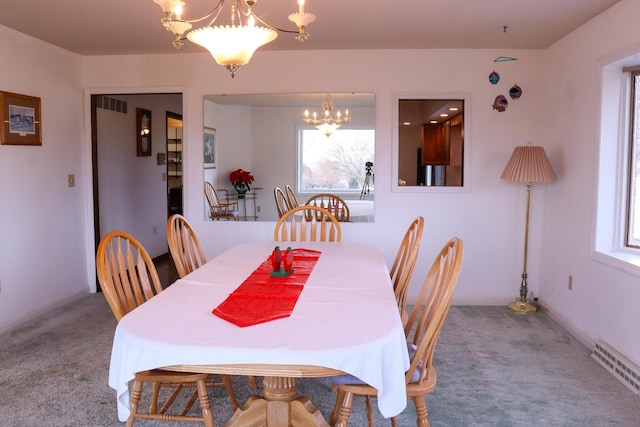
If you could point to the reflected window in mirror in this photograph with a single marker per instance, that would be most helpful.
(430, 142)
(339, 163)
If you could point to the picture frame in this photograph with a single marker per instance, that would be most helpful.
(161, 157)
(143, 132)
(20, 119)
(209, 148)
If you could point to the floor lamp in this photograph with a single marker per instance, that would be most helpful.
(527, 164)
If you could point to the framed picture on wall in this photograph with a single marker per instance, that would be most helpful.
(20, 121)
(143, 132)
(209, 148)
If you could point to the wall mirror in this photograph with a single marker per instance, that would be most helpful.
(430, 142)
(266, 134)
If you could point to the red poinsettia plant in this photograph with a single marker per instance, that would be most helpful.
(241, 179)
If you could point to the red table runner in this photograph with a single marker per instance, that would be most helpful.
(263, 297)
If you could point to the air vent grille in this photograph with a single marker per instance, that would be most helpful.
(111, 104)
(624, 370)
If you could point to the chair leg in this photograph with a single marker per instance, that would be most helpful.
(226, 380)
(176, 392)
(134, 399)
(369, 410)
(205, 406)
(421, 411)
(153, 406)
(339, 397)
(253, 383)
(345, 410)
(190, 403)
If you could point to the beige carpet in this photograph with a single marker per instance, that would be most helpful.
(495, 369)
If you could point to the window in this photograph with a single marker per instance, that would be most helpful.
(339, 163)
(633, 197)
(617, 216)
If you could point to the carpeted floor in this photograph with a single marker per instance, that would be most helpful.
(495, 368)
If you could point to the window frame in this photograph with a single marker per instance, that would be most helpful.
(633, 182)
(612, 187)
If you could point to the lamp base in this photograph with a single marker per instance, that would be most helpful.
(523, 307)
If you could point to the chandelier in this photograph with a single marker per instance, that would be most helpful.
(230, 45)
(328, 123)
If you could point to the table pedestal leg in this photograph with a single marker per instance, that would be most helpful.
(279, 406)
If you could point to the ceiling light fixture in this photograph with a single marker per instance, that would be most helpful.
(230, 45)
(328, 123)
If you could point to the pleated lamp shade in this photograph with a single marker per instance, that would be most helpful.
(528, 163)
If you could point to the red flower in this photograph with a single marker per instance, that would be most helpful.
(241, 178)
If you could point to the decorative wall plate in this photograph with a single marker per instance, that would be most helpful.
(500, 104)
(494, 77)
(515, 92)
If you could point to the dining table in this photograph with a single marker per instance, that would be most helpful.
(227, 317)
(360, 210)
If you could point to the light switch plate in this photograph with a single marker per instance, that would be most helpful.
(71, 180)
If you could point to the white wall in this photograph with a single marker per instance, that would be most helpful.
(43, 252)
(603, 302)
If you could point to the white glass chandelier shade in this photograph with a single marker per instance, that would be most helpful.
(327, 128)
(230, 45)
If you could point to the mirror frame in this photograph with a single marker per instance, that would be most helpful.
(466, 186)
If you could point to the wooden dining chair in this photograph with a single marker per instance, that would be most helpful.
(292, 200)
(307, 223)
(331, 202)
(422, 330)
(404, 263)
(217, 209)
(282, 205)
(187, 253)
(184, 246)
(128, 278)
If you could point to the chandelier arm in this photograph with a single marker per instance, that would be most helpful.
(273, 27)
(244, 8)
(216, 10)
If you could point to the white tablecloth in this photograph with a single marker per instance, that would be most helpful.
(360, 210)
(346, 318)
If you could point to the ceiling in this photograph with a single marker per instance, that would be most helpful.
(118, 27)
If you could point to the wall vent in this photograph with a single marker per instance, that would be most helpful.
(112, 104)
(619, 366)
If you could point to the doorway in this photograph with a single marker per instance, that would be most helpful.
(174, 163)
(130, 190)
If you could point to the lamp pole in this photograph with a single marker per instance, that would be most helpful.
(522, 305)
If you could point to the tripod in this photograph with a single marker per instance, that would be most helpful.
(368, 179)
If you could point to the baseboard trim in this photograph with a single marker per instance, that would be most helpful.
(30, 315)
(562, 321)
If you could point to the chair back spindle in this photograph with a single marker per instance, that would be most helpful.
(184, 245)
(336, 205)
(126, 273)
(307, 223)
